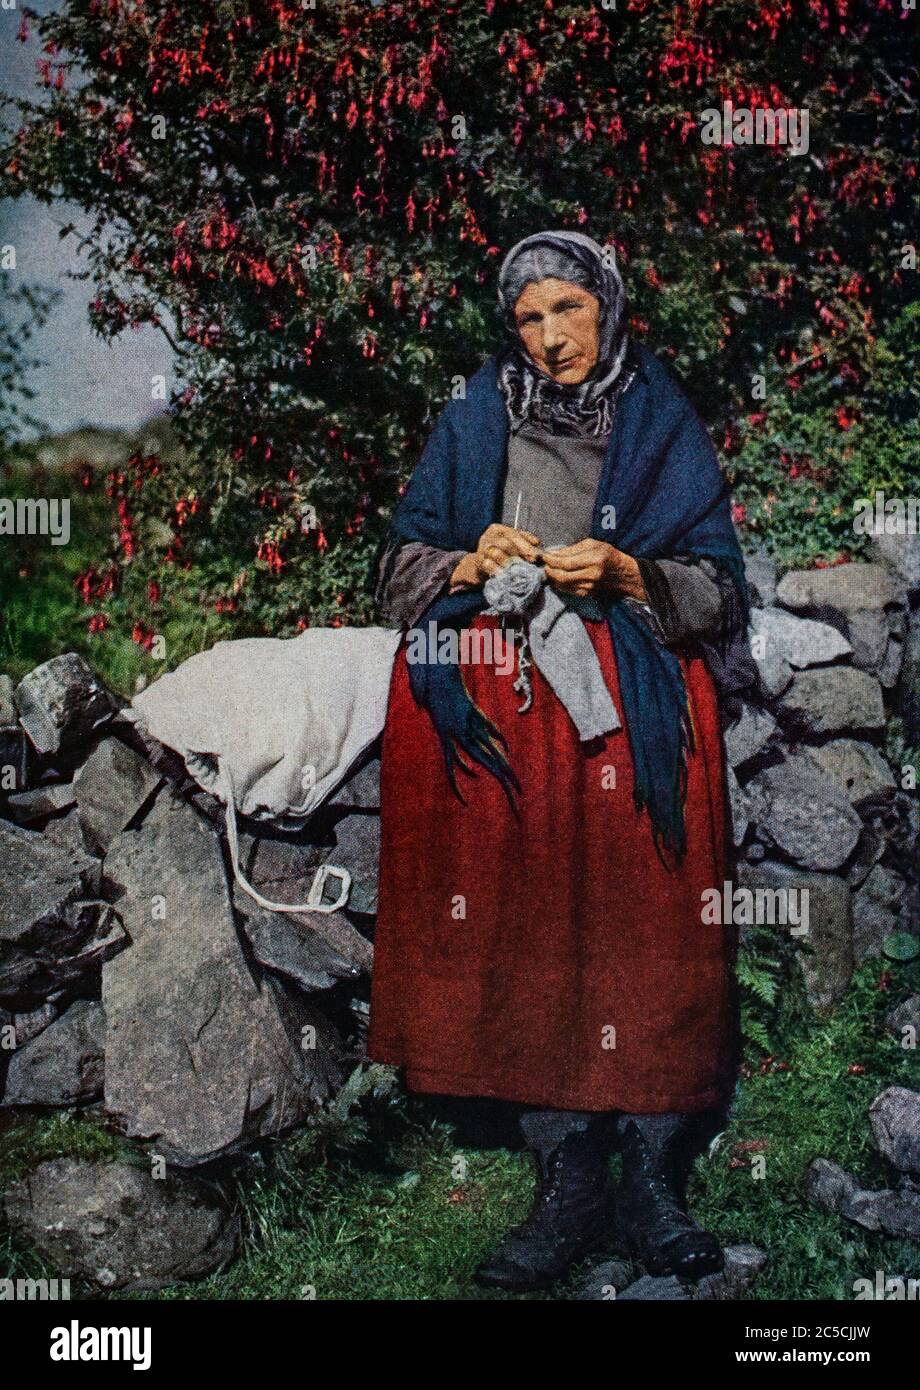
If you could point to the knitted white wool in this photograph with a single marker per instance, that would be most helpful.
(561, 648)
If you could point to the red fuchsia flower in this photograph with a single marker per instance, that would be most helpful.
(226, 605)
(271, 555)
(143, 636)
(757, 419)
(847, 416)
(739, 512)
(153, 591)
(97, 623)
(84, 584)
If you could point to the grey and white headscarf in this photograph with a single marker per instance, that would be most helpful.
(530, 395)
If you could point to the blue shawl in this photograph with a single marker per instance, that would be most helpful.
(662, 477)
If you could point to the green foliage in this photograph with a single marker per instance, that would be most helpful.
(799, 476)
(312, 205)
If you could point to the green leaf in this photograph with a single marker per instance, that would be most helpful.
(901, 946)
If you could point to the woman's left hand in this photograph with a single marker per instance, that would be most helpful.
(594, 567)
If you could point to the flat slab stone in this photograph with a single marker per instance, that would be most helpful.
(800, 641)
(201, 1056)
(844, 589)
(110, 788)
(834, 700)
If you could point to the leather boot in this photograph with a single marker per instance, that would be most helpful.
(570, 1206)
(651, 1215)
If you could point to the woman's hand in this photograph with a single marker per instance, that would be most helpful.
(498, 546)
(594, 567)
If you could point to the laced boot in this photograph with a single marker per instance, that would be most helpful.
(568, 1218)
(651, 1215)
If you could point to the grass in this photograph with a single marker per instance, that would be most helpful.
(395, 1218)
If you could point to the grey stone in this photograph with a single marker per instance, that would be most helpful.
(41, 802)
(904, 1021)
(834, 700)
(361, 791)
(869, 850)
(869, 635)
(907, 698)
(117, 1227)
(801, 811)
(61, 701)
(284, 943)
(357, 849)
(749, 736)
(200, 1057)
(738, 807)
(64, 1064)
(876, 907)
(889, 670)
(605, 1280)
(14, 761)
(61, 955)
(773, 670)
(893, 1213)
(800, 641)
(828, 1186)
(827, 962)
(901, 554)
(67, 832)
(742, 1265)
(895, 1119)
(760, 572)
(28, 1025)
(111, 788)
(840, 589)
(855, 766)
(37, 880)
(8, 716)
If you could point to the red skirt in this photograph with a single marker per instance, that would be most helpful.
(550, 959)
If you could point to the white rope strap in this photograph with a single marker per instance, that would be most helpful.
(314, 901)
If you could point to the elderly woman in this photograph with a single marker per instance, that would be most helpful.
(549, 825)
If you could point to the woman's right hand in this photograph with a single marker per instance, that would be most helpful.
(498, 546)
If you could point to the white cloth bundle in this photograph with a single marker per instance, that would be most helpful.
(271, 726)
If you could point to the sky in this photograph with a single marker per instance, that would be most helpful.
(83, 381)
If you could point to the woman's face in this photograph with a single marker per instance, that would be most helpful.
(558, 322)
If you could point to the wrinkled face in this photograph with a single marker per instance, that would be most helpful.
(558, 322)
